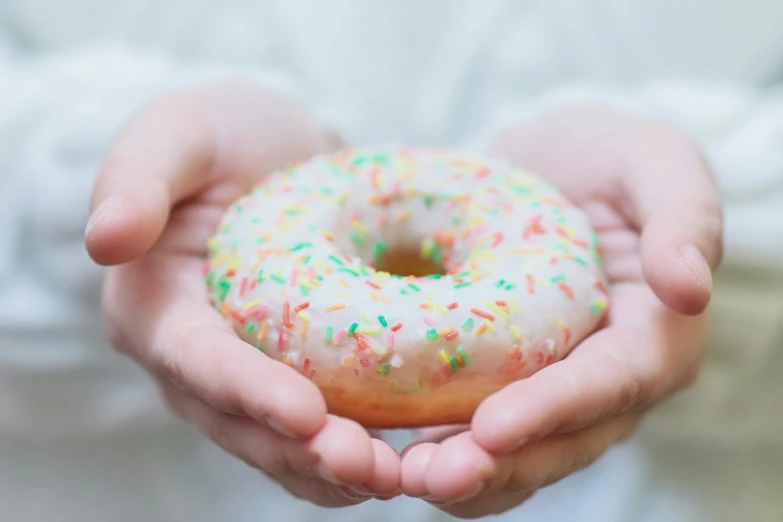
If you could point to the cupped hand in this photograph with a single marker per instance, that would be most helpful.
(177, 164)
(653, 200)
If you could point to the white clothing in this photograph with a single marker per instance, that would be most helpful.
(82, 433)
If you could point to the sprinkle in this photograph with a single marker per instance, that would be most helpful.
(464, 355)
(557, 278)
(390, 341)
(278, 278)
(287, 315)
(444, 357)
(483, 314)
(513, 306)
(375, 297)
(452, 306)
(396, 327)
(515, 333)
(463, 284)
(353, 328)
(432, 334)
(369, 330)
(344, 283)
(481, 329)
(501, 303)
(372, 285)
(424, 306)
(451, 335)
(382, 320)
(303, 330)
(413, 287)
(429, 321)
(305, 316)
(281, 338)
(495, 308)
(335, 306)
(490, 326)
(454, 364)
(301, 307)
(440, 309)
(356, 237)
(337, 260)
(468, 324)
(531, 284)
(348, 271)
(328, 334)
(262, 331)
(567, 289)
(339, 337)
(350, 360)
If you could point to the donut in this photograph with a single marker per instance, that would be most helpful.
(407, 283)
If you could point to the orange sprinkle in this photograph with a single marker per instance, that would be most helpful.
(501, 303)
(344, 283)
(497, 240)
(403, 215)
(445, 331)
(333, 307)
(396, 327)
(531, 284)
(237, 316)
(287, 315)
(349, 361)
(424, 306)
(262, 331)
(481, 329)
(372, 285)
(452, 306)
(452, 335)
(376, 297)
(303, 330)
(483, 314)
(301, 307)
(567, 289)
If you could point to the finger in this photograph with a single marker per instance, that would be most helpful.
(190, 346)
(440, 433)
(179, 143)
(385, 479)
(517, 476)
(645, 353)
(340, 454)
(415, 459)
(678, 205)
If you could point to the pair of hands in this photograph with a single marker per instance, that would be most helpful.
(183, 158)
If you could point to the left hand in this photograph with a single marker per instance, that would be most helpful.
(654, 202)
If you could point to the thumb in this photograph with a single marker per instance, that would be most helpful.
(679, 209)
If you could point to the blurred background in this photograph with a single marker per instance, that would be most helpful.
(82, 434)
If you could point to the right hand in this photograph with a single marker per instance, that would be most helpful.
(177, 164)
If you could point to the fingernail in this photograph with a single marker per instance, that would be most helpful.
(361, 490)
(472, 493)
(103, 210)
(695, 261)
(325, 474)
(275, 425)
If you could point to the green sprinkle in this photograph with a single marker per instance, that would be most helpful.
(594, 308)
(348, 271)
(384, 369)
(510, 286)
(463, 284)
(352, 329)
(378, 251)
(328, 335)
(306, 259)
(260, 277)
(500, 283)
(413, 287)
(225, 287)
(279, 279)
(259, 347)
(432, 334)
(210, 278)
(337, 260)
(427, 200)
(382, 320)
(468, 324)
(363, 270)
(453, 364)
(557, 278)
(356, 237)
(580, 261)
(250, 327)
(462, 274)
(464, 355)
(299, 246)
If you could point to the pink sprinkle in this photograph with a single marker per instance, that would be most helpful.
(294, 277)
(366, 363)
(281, 338)
(429, 322)
(261, 312)
(205, 269)
(243, 287)
(390, 341)
(311, 271)
(339, 336)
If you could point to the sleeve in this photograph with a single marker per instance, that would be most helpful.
(739, 128)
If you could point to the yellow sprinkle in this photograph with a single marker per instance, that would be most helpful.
(440, 308)
(344, 293)
(369, 330)
(481, 329)
(377, 350)
(349, 361)
(498, 310)
(305, 282)
(444, 357)
(376, 297)
(333, 307)
(512, 304)
(262, 331)
(303, 330)
(490, 325)
(515, 333)
(358, 225)
(444, 331)
(252, 304)
(305, 316)
(367, 319)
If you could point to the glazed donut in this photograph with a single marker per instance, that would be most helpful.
(407, 283)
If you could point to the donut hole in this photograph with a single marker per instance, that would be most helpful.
(405, 261)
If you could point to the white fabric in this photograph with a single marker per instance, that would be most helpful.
(82, 434)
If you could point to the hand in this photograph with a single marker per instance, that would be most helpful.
(654, 202)
(175, 167)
